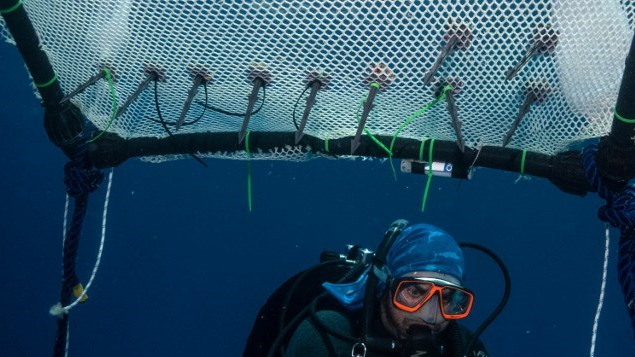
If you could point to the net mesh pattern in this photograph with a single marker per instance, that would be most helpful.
(575, 73)
(5, 33)
(283, 153)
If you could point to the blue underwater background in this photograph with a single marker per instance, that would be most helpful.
(186, 266)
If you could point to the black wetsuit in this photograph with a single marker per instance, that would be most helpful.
(311, 340)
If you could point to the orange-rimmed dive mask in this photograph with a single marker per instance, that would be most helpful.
(411, 293)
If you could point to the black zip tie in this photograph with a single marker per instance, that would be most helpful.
(458, 36)
(167, 130)
(151, 75)
(199, 79)
(456, 85)
(368, 106)
(253, 98)
(535, 92)
(545, 41)
(315, 81)
(92, 80)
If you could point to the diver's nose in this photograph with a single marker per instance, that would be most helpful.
(430, 312)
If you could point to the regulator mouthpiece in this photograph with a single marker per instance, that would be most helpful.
(420, 343)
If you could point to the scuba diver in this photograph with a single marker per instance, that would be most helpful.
(404, 300)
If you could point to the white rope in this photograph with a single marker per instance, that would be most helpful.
(101, 246)
(66, 205)
(68, 337)
(57, 309)
(601, 300)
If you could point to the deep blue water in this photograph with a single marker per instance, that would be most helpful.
(186, 266)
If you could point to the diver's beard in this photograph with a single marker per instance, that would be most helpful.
(400, 330)
(390, 323)
(432, 327)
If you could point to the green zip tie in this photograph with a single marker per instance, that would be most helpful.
(376, 85)
(373, 138)
(425, 192)
(114, 105)
(522, 163)
(413, 117)
(419, 112)
(622, 119)
(359, 119)
(12, 8)
(44, 85)
(248, 170)
(423, 143)
(326, 144)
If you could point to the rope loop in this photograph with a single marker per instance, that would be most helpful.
(592, 173)
(80, 179)
(619, 210)
(621, 214)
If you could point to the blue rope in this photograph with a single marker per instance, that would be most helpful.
(626, 270)
(80, 180)
(592, 173)
(619, 212)
(78, 177)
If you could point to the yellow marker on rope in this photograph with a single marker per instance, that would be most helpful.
(78, 290)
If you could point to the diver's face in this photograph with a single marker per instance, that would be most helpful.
(397, 321)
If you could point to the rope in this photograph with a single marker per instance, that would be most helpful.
(619, 212)
(80, 180)
(626, 271)
(592, 172)
(84, 291)
(602, 288)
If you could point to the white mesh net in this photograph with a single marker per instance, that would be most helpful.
(584, 44)
(283, 153)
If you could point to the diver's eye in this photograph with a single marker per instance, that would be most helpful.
(414, 291)
(454, 299)
(447, 294)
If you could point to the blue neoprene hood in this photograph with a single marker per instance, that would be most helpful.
(420, 247)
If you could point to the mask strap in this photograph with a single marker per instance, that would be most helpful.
(382, 272)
